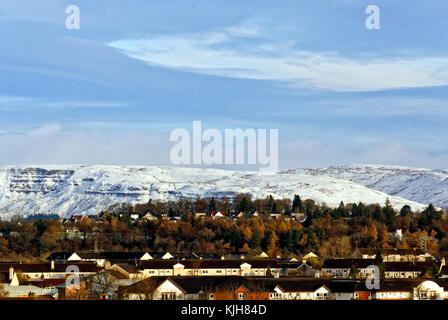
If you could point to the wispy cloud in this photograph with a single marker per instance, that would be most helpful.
(225, 53)
(21, 103)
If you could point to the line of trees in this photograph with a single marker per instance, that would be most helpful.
(331, 232)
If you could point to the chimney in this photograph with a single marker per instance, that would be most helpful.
(52, 264)
(11, 272)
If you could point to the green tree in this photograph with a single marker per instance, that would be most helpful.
(212, 205)
(380, 263)
(354, 272)
(297, 205)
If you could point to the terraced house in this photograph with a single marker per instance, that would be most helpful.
(340, 268)
(254, 288)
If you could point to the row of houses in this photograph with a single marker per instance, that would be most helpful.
(291, 278)
(77, 218)
(393, 254)
(343, 268)
(243, 288)
(103, 257)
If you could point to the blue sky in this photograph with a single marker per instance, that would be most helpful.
(111, 92)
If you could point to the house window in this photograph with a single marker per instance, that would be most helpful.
(274, 296)
(241, 296)
(168, 296)
(219, 271)
(204, 271)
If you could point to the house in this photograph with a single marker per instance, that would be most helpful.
(263, 255)
(407, 270)
(393, 290)
(173, 288)
(304, 270)
(200, 215)
(212, 267)
(52, 270)
(299, 289)
(59, 256)
(218, 215)
(101, 258)
(310, 255)
(340, 268)
(430, 290)
(28, 292)
(148, 217)
(275, 215)
(393, 254)
(256, 288)
(105, 285)
(95, 257)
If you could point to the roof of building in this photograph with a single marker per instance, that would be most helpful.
(46, 267)
(392, 251)
(210, 264)
(408, 266)
(347, 263)
(364, 263)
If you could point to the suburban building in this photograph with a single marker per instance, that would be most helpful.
(340, 268)
(393, 254)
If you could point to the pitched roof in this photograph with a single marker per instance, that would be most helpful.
(210, 264)
(408, 266)
(392, 251)
(364, 263)
(347, 263)
(46, 268)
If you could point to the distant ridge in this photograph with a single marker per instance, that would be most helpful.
(75, 189)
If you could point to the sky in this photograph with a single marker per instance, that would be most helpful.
(112, 91)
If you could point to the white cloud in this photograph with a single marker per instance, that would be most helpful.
(314, 154)
(21, 103)
(226, 53)
(56, 144)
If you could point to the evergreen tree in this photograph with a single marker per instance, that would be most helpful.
(389, 212)
(297, 205)
(271, 204)
(405, 211)
(354, 272)
(212, 205)
(244, 205)
(380, 263)
(255, 242)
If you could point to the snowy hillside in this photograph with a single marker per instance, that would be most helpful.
(67, 190)
(419, 185)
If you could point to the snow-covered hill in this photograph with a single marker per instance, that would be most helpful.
(419, 185)
(67, 190)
